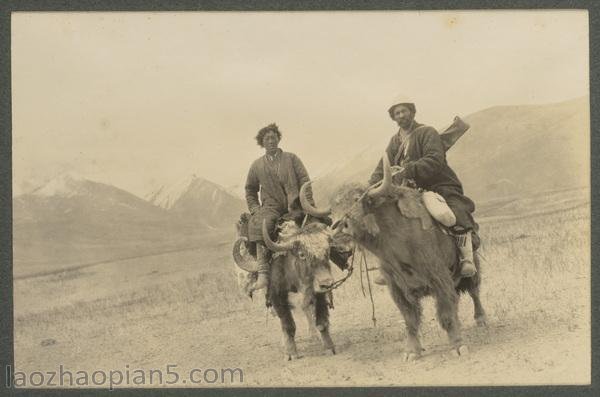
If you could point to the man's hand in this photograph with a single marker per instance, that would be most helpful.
(398, 171)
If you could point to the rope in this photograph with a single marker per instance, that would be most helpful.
(266, 316)
(364, 260)
(350, 269)
(362, 286)
(339, 282)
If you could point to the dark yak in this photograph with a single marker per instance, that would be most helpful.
(416, 256)
(300, 264)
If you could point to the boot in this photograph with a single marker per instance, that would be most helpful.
(379, 279)
(263, 267)
(465, 246)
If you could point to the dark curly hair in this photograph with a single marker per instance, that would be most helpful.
(263, 131)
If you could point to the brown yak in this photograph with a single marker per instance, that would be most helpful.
(299, 264)
(417, 257)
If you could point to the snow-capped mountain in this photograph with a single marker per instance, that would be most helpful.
(195, 199)
(73, 220)
(66, 185)
(72, 198)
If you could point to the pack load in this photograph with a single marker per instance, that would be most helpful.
(435, 204)
(438, 208)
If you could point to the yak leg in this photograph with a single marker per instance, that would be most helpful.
(322, 322)
(411, 311)
(480, 317)
(447, 314)
(309, 312)
(282, 308)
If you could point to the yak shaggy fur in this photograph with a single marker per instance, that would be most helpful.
(296, 271)
(416, 259)
(314, 237)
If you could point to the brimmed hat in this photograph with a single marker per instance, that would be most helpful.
(404, 101)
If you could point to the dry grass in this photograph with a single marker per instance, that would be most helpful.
(537, 261)
(525, 261)
(536, 278)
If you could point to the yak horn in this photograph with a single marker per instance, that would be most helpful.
(308, 207)
(386, 182)
(273, 246)
(337, 227)
(243, 262)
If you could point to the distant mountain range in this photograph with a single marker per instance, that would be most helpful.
(71, 220)
(508, 150)
(71, 198)
(200, 199)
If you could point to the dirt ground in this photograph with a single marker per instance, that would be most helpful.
(184, 309)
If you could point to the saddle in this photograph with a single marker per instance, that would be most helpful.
(432, 211)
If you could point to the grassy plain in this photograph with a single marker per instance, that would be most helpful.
(184, 308)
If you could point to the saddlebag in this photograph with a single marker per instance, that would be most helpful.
(438, 208)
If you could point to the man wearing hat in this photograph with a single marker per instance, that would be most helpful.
(419, 152)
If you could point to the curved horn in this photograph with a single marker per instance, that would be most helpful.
(273, 246)
(308, 207)
(243, 262)
(386, 182)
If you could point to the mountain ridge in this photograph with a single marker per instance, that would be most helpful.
(508, 148)
(195, 196)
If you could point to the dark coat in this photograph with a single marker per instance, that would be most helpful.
(278, 181)
(423, 156)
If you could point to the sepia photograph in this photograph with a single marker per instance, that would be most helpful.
(266, 199)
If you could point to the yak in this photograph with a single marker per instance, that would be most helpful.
(417, 256)
(299, 264)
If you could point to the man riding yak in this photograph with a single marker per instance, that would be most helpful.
(417, 153)
(278, 176)
(304, 246)
(419, 156)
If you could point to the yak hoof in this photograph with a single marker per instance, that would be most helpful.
(460, 351)
(481, 321)
(408, 357)
(330, 351)
(291, 357)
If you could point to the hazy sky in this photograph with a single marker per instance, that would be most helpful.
(136, 99)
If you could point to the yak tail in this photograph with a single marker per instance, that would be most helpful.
(442, 287)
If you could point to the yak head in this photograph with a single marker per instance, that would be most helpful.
(357, 208)
(305, 250)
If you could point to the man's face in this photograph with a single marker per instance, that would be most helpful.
(270, 141)
(403, 116)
